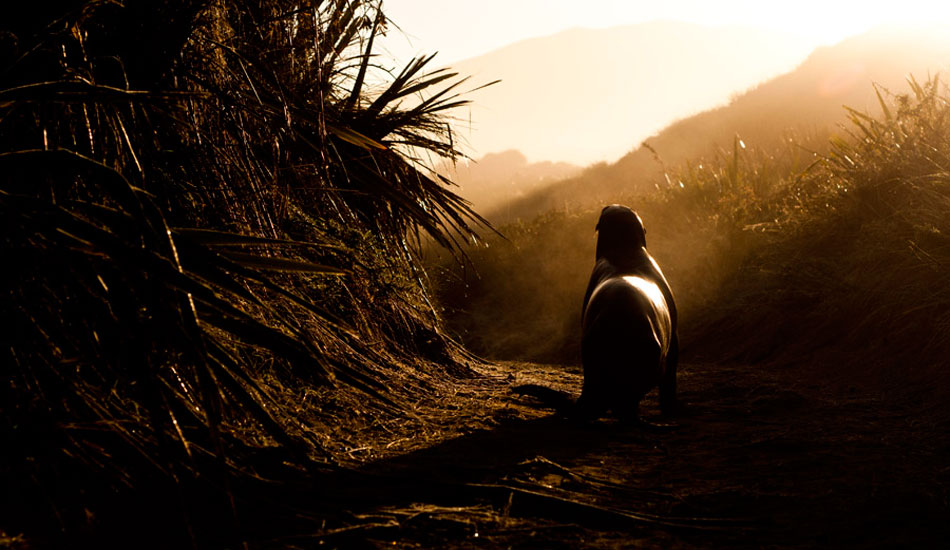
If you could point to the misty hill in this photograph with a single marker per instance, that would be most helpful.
(503, 177)
(808, 102)
(583, 95)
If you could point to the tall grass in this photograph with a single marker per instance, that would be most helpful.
(859, 262)
(209, 216)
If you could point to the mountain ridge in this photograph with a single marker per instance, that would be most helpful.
(809, 100)
(630, 82)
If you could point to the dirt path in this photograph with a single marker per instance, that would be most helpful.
(758, 460)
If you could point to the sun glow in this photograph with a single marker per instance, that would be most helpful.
(460, 29)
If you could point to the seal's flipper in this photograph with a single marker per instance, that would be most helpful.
(669, 406)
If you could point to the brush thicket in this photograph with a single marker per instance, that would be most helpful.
(210, 225)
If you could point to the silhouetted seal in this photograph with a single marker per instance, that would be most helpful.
(629, 343)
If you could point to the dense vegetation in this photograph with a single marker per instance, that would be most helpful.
(773, 252)
(211, 212)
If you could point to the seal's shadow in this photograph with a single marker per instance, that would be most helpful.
(488, 456)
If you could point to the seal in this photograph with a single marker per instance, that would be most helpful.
(629, 341)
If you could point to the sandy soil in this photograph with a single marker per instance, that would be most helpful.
(760, 458)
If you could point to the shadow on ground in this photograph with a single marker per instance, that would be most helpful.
(760, 458)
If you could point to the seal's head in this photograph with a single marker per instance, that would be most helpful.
(621, 233)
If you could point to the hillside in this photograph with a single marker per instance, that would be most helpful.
(708, 230)
(587, 95)
(499, 178)
(806, 103)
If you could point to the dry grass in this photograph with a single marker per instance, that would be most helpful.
(211, 222)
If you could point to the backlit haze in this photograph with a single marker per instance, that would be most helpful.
(627, 95)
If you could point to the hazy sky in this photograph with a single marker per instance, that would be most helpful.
(459, 29)
(463, 29)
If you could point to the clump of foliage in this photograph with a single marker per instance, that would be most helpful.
(825, 243)
(858, 249)
(211, 212)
